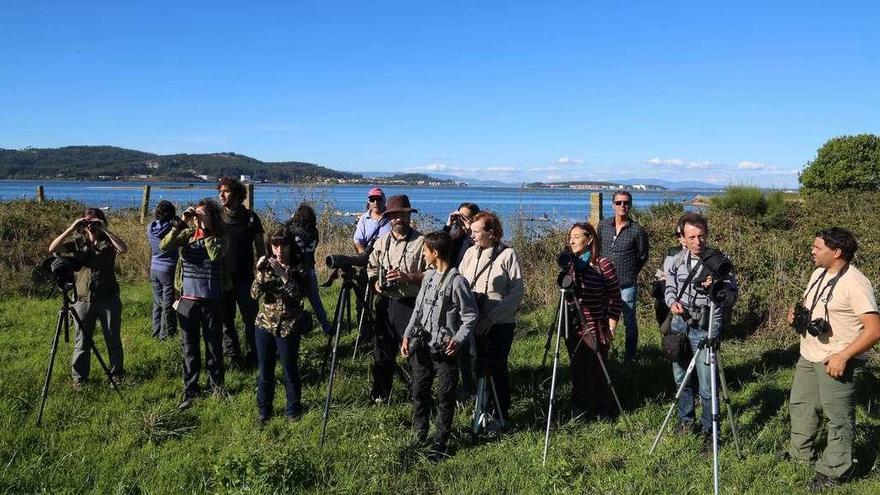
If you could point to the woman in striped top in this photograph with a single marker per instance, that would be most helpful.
(598, 294)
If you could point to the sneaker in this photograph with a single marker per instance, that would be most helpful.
(821, 482)
(119, 378)
(219, 392)
(262, 420)
(684, 428)
(77, 384)
(294, 416)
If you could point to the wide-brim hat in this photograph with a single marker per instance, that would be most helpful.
(398, 204)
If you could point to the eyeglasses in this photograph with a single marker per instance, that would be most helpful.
(622, 203)
(374, 199)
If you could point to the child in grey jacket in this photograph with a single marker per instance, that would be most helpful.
(445, 314)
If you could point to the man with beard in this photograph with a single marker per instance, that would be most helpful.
(395, 271)
(245, 236)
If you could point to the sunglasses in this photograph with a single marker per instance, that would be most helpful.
(621, 203)
(373, 199)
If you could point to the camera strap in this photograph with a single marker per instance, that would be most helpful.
(691, 275)
(820, 290)
(487, 266)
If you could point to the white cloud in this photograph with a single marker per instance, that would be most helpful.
(432, 167)
(747, 165)
(496, 169)
(550, 168)
(565, 160)
(679, 162)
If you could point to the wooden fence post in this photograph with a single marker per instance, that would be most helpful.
(249, 202)
(596, 208)
(41, 195)
(145, 203)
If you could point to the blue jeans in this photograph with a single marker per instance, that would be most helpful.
(287, 349)
(686, 410)
(317, 305)
(630, 297)
(164, 319)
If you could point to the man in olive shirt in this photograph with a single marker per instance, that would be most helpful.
(838, 324)
(395, 270)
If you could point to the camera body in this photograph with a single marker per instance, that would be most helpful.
(805, 324)
(420, 341)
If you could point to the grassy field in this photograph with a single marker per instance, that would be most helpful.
(96, 441)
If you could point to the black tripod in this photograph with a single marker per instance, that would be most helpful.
(564, 283)
(68, 293)
(365, 317)
(343, 314)
(712, 344)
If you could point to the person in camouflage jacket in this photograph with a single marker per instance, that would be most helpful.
(279, 285)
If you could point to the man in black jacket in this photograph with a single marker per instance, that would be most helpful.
(626, 243)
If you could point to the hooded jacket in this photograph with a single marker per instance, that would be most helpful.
(162, 259)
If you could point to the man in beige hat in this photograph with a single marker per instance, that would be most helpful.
(395, 270)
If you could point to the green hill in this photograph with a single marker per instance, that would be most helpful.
(92, 162)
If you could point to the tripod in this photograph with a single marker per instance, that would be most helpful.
(68, 293)
(480, 418)
(343, 313)
(564, 282)
(712, 344)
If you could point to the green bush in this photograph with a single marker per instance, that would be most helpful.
(742, 200)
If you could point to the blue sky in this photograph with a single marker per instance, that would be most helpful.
(514, 91)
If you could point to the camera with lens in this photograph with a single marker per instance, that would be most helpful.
(717, 265)
(804, 323)
(61, 269)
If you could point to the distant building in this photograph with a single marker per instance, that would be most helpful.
(244, 179)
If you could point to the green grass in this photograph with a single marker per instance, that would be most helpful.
(96, 441)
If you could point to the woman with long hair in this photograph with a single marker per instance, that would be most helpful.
(279, 286)
(200, 237)
(94, 246)
(303, 226)
(597, 292)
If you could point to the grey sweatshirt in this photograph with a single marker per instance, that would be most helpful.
(461, 313)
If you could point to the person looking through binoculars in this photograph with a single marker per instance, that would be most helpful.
(837, 320)
(94, 247)
(695, 275)
(492, 269)
(597, 292)
(395, 269)
(280, 283)
(201, 238)
(445, 314)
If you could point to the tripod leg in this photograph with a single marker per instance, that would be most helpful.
(62, 315)
(479, 405)
(684, 383)
(91, 344)
(337, 321)
(549, 338)
(725, 396)
(326, 415)
(501, 419)
(360, 329)
(562, 320)
(716, 419)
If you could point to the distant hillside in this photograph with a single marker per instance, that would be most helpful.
(92, 162)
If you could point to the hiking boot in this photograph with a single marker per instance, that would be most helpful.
(821, 482)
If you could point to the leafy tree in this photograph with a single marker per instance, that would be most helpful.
(844, 163)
